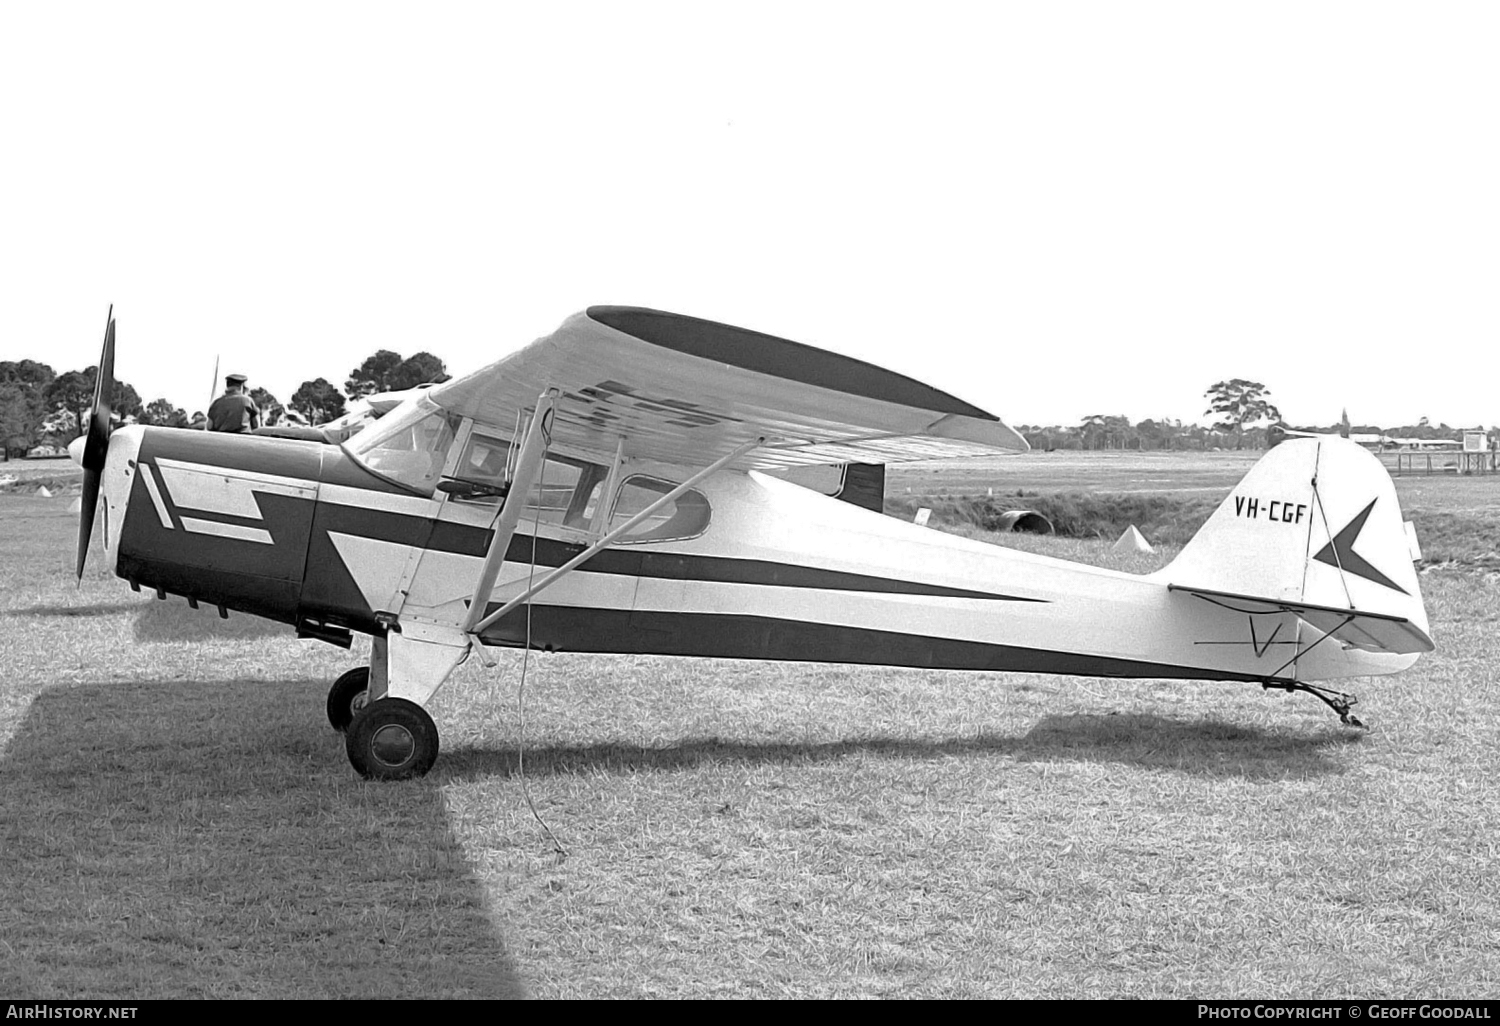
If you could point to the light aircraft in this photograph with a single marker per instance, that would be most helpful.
(1280, 432)
(612, 488)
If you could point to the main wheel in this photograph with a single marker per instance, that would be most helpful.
(348, 696)
(392, 739)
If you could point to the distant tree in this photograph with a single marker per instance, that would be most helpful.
(1107, 432)
(270, 407)
(1049, 438)
(161, 412)
(1240, 402)
(23, 405)
(1092, 430)
(418, 369)
(25, 372)
(1119, 433)
(373, 375)
(127, 401)
(318, 401)
(20, 419)
(1152, 434)
(73, 393)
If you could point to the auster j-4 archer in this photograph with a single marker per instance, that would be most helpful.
(614, 487)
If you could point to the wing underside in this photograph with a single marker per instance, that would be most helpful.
(681, 390)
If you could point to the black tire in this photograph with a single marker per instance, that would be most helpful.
(347, 697)
(392, 739)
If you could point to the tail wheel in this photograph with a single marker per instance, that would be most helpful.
(347, 697)
(392, 739)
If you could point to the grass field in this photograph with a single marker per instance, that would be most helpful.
(176, 818)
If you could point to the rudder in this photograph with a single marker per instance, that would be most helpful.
(1315, 523)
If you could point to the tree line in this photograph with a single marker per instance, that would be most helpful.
(38, 407)
(1244, 417)
(41, 407)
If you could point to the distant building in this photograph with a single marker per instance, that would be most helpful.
(1425, 444)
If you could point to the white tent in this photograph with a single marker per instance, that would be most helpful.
(1132, 541)
(43, 492)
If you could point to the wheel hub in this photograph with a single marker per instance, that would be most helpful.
(393, 745)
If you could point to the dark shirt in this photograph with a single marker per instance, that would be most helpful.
(233, 411)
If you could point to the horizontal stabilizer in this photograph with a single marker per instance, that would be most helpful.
(1369, 632)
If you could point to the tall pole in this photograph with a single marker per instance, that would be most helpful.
(213, 389)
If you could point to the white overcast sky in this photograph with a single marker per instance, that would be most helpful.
(1049, 209)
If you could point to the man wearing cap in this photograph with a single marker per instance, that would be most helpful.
(234, 411)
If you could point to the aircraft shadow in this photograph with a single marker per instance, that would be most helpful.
(1203, 747)
(174, 620)
(183, 840)
(1206, 747)
(93, 609)
(161, 621)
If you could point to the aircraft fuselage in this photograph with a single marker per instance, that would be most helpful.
(304, 534)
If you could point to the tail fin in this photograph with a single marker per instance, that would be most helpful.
(1314, 529)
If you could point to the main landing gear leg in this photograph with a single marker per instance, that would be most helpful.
(389, 736)
(1339, 701)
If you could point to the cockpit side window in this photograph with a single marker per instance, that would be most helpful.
(485, 461)
(567, 491)
(686, 516)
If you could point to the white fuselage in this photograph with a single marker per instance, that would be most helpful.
(784, 572)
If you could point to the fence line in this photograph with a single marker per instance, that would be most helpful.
(1450, 462)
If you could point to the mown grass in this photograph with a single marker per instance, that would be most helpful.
(175, 821)
(18, 477)
(178, 820)
(1163, 518)
(752, 830)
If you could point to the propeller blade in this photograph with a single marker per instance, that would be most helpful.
(90, 504)
(96, 443)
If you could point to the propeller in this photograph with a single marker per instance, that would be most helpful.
(96, 442)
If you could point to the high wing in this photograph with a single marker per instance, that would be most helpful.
(686, 391)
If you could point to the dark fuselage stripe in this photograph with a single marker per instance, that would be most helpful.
(738, 636)
(671, 566)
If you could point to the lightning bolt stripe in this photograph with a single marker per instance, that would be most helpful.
(148, 475)
(219, 529)
(1339, 552)
(229, 492)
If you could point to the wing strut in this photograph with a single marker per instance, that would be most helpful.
(487, 581)
(528, 466)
